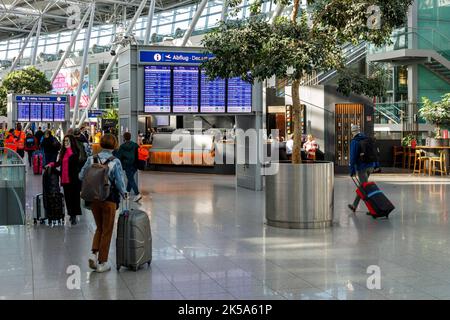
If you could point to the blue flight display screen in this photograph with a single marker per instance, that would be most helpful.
(239, 96)
(157, 89)
(60, 110)
(212, 95)
(47, 111)
(35, 111)
(23, 111)
(185, 89)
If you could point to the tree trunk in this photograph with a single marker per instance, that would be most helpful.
(297, 123)
(295, 8)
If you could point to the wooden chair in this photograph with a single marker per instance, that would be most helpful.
(441, 161)
(420, 158)
(397, 151)
(409, 155)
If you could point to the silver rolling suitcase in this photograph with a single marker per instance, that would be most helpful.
(38, 209)
(134, 239)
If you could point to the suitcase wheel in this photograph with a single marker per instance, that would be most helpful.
(35, 221)
(118, 268)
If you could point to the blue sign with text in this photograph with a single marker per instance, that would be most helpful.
(173, 57)
(40, 99)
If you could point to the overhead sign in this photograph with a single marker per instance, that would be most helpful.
(173, 57)
(95, 114)
(41, 99)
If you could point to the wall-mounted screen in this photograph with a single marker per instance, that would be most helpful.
(60, 110)
(185, 89)
(162, 121)
(212, 95)
(239, 96)
(35, 111)
(157, 89)
(23, 111)
(47, 111)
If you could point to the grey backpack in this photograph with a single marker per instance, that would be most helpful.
(96, 185)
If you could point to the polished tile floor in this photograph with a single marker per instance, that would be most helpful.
(210, 242)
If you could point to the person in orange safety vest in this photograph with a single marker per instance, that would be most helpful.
(10, 141)
(20, 138)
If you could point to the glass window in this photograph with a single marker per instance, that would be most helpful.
(114, 72)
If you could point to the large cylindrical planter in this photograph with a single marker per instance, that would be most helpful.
(301, 196)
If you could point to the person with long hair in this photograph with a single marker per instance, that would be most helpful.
(68, 160)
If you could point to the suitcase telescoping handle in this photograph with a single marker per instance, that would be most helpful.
(126, 202)
(356, 181)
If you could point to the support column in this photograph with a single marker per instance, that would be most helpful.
(16, 61)
(111, 64)
(87, 39)
(277, 12)
(151, 12)
(224, 16)
(36, 42)
(194, 21)
(69, 47)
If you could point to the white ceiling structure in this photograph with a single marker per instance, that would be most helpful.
(17, 17)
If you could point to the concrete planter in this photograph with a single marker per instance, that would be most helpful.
(301, 196)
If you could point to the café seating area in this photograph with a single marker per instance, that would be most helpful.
(422, 160)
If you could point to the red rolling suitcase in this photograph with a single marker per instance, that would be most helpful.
(377, 203)
(37, 162)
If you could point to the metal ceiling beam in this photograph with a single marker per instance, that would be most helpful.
(151, 11)
(194, 21)
(36, 42)
(16, 60)
(111, 64)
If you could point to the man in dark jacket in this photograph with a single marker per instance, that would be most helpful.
(357, 166)
(128, 156)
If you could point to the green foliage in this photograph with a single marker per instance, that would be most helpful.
(111, 114)
(29, 79)
(437, 113)
(375, 85)
(309, 44)
(406, 141)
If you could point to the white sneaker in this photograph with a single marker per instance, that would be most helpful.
(137, 198)
(93, 261)
(103, 267)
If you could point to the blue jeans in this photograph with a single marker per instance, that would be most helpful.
(131, 183)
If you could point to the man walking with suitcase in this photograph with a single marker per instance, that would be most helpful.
(363, 159)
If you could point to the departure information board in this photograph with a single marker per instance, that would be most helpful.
(239, 96)
(185, 89)
(212, 95)
(47, 111)
(35, 111)
(23, 111)
(59, 111)
(157, 82)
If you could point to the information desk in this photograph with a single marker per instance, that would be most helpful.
(183, 149)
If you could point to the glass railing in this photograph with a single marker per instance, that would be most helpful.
(425, 39)
(12, 188)
(397, 113)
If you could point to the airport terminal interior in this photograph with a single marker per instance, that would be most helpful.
(248, 190)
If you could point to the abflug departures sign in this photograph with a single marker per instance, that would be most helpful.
(174, 83)
(41, 108)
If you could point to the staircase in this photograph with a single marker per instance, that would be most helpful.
(352, 55)
(439, 69)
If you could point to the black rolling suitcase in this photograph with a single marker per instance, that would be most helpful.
(377, 203)
(134, 238)
(53, 199)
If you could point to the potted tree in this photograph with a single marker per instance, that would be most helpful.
(437, 113)
(292, 48)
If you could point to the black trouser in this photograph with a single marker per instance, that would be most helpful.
(21, 152)
(30, 157)
(72, 199)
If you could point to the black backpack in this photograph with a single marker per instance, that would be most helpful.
(368, 150)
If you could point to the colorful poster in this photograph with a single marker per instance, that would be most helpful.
(66, 82)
